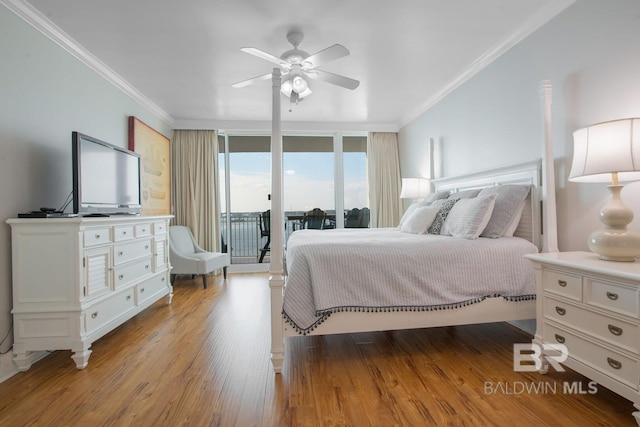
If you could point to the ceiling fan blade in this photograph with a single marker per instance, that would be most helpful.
(252, 81)
(331, 53)
(335, 79)
(264, 55)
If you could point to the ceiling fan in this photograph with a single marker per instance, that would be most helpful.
(297, 65)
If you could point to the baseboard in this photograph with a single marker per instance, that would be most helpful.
(528, 325)
(9, 369)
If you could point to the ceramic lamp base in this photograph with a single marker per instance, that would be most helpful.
(615, 242)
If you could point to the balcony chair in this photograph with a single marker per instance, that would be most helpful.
(314, 219)
(265, 231)
(188, 258)
(353, 218)
(365, 217)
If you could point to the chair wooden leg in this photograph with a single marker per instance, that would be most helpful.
(265, 249)
(204, 280)
(224, 272)
(172, 278)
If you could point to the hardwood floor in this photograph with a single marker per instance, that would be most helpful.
(204, 360)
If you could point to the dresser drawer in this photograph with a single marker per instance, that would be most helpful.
(612, 296)
(143, 230)
(150, 288)
(123, 232)
(159, 227)
(562, 283)
(614, 364)
(97, 236)
(129, 273)
(606, 328)
(105, 311)
(123, 253)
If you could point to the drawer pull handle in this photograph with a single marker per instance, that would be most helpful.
(94, 315)
(120, 253)
(97, 236)
(144, 230)
(612, 296)
(162, 280)
(560, 339)
(142, 290)
(561, 311)
(146, 246)
(615, 330)
(124, 232)
(562, 283)
(128, 297)
(120, 277)
(614, 363)
(146, 267)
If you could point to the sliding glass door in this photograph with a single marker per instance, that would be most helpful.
(310, 181)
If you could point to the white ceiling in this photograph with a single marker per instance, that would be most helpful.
(184, 55)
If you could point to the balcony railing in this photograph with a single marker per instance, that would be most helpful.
(244, 242)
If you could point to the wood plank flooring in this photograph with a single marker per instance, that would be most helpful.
(204, 361)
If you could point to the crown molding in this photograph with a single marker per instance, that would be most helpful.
(40, 22)
(530, 26)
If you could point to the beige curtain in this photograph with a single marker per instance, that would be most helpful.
(194, 161)
(383, 171)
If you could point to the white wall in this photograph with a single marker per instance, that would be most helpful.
(590, 52)
(45, 94)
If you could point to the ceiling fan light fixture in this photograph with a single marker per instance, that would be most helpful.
(299, 84)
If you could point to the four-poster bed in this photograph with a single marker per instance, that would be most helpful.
(539, 209)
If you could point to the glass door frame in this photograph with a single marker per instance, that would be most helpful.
(338, 176)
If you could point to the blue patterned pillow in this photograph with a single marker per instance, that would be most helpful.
(445, 206)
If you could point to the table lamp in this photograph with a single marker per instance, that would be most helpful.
(415, 188)
(610, 152)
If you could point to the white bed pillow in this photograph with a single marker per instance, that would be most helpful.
(410, 210)
(469, 217)
(508, 200)
(420, 220)
(511, 229)
(438, 195)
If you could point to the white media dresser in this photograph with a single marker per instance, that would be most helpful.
(76, 279)
(593, 308)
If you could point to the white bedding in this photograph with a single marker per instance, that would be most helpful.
(386, 270)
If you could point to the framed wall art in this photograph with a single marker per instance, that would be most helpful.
(155, 151)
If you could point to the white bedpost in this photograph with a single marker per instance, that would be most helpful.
(549, 221)
(276, 267)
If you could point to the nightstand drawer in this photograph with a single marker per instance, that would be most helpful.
(612, 296)
(562, 283)
(614, 331)
(616, 365)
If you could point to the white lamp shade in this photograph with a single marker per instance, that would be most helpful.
(605, 148)
(300, 86)
(415, 188)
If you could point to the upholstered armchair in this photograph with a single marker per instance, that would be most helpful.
(188, 258)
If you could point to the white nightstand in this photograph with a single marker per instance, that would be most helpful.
(593, 307)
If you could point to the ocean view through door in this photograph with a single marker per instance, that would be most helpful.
(310, 181)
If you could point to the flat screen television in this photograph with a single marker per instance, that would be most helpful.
(106, 178)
